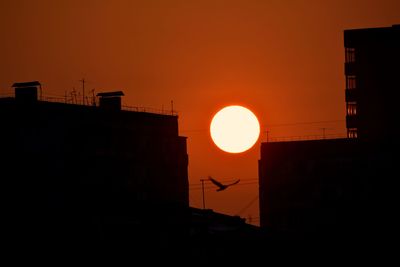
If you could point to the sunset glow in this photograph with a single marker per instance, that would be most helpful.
(283, 60)
(235, 129)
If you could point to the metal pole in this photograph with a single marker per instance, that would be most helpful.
(83, 91)
(202, 188)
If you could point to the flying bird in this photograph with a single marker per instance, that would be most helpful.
(220, 185)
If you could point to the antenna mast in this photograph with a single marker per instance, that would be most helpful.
(93, 98)
(83, 90)
(202, 189)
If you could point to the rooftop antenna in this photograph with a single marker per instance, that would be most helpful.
(202, 189)
(41, 92)
(323, 131)
(93, 98)
(83, 90)
(73, 95)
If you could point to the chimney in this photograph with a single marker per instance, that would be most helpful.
(110, 100)
(26, 92)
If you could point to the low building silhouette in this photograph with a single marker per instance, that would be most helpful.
(342, 189)
(98, 177)
(65, 166)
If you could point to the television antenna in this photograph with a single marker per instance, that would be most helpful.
(202, 190)
(83, 90)
(324, 131)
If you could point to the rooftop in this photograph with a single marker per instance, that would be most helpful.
(75, 98)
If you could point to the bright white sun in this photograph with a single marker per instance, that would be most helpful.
(234, 129)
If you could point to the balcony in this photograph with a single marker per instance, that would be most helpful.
(351, 95)
(351, 121)
(349, 68)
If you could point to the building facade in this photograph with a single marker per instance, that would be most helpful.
(342, 189)
(63, 165)
(372, 59)
(316, 188)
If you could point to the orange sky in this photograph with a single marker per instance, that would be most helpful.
(281, 59)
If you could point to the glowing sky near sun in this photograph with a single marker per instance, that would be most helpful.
(284, 60)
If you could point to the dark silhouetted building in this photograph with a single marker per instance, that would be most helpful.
(342, 189)
(69, 170)
(316, 188)
(220, 238)
(372, 59)
(99, 177)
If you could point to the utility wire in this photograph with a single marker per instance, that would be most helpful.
(229, 180)
(211, 186)
(235, 185)
(303, 123)
(240, 183)
(276, 125)
(248, 205)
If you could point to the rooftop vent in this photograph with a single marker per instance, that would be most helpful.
(110, 100)
(26, 92)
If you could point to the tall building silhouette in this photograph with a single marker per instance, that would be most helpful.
(372, 58)
(341, 189)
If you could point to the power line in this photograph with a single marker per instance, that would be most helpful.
(197, 185)
(276, 125)
(248, 205)
(241, 183)
(213, 187)
(230, 180)
(303, 123)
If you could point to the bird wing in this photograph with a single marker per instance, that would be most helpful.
(215, 182)
(234, 182)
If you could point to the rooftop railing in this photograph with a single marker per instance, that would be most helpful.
(94, 102)
(306, 137)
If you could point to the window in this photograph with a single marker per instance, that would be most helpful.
(351, 82)
(350, 55)
(351, 108)
(352, 132)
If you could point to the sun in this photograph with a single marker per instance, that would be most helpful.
(234, 129)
